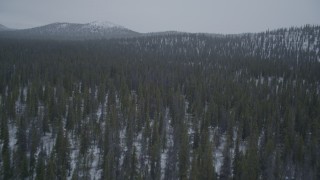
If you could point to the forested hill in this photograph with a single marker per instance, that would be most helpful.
(293, 43)
(162, 106)
(70, 31)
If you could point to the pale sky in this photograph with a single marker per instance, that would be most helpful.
(212, 16)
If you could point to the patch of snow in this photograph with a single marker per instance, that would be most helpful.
(164, 157)
(104, 24)
(123, 146)
(99, 111)
(48, 142)
(243, 146)
(218, 154)
(137, 145)
(95, 171)
(74, 151)
(63, 25)
(280, 80)
(12, 136)
(305, 45)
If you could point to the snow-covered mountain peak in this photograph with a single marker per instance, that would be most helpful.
(104, 24)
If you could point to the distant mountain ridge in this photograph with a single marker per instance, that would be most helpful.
(297, 43)
(108, 30)
(72, 31)
(3, 28)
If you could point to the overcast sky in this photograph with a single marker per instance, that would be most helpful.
(213, 16)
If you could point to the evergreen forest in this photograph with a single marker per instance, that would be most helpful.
(162, 106)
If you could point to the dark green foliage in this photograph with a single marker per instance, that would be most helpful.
(21, 158)
(237, 172)
(162, 107)
(226, 171)
(41, 168)
(183, 154)
(6, 170)
(61, 154)
(50, 169)
(155, 152)
(207, 170)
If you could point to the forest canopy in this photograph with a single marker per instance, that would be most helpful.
(179, 106)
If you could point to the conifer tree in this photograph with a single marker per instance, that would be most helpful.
(194, 174)
(6, 157)
(183, 153)
(40, 168)
(21, 153)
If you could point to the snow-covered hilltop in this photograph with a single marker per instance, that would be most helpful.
(103, 24)
(73, 31)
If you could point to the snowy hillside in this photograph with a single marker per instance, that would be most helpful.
(73, 31)
(103, 25)
(294, 43)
